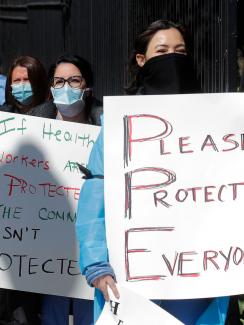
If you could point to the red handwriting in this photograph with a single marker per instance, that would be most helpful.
(129, 125)
(139, 129)
(206, 194)
(171, 177)
(212, 258)
(181, 263)
(128, 251)
(181, 258)
(21, 186)
(183, 145)
(9, 158)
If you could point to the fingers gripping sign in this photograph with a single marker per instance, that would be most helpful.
(102, 283)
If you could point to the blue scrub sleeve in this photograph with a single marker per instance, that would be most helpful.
(90, 224)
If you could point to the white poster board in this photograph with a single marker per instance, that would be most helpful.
(131, 309)
(175, 197)
(39, 189)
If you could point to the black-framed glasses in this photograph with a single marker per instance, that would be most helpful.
(74, 82)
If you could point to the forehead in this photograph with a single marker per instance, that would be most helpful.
(66, 70)
(19, 72)
(169, 37)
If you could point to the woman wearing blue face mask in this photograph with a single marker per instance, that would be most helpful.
(27, 89)
(71, 82)
(26, 92)
(71, 87)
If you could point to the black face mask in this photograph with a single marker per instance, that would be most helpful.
(168, 74)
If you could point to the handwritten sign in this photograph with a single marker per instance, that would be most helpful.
(133, 309)
(39, 189)
(175, 197)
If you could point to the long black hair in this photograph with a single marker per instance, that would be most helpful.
(140, 47)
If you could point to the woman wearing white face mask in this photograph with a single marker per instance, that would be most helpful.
(71, 82)
(27, 89)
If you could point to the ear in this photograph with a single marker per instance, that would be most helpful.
(140, 59)
(88, 92)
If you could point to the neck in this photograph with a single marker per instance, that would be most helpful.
(80, 118)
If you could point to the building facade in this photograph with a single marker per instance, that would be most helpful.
(103, 31)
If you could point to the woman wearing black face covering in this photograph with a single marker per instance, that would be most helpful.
(159, 65)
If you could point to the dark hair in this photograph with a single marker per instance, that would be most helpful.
(38, 79)
(1, 65)
(86, 71)
(83, 65)
(140, 47)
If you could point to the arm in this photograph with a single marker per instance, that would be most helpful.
(90, 226)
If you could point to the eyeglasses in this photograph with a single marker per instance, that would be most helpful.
(74, 82)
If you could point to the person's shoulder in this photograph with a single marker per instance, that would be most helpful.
(96, 111)
(3, 78)
(7, 108)
(140, 91)
(46, 109)
(96, 102)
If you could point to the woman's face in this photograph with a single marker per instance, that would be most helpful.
(164, 41)
(70, 72)
(19, 75)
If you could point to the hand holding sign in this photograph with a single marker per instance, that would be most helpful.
(103, 282)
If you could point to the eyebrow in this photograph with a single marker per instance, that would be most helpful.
(19, 78)
(68, 78)
(165, 45)
(181, 44)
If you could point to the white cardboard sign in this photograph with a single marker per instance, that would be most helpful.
(175, 196)
(39, 189)
(131, 309)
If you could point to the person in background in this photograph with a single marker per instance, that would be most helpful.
(159, 64)
(26, 93)
(2, 85)
(71, 86)
(240, 64)
(27, 89)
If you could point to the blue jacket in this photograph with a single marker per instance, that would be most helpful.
(90, 229)
(2, 89)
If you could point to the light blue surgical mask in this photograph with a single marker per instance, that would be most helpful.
(22, 91)
(69, 101)
(66, 95)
